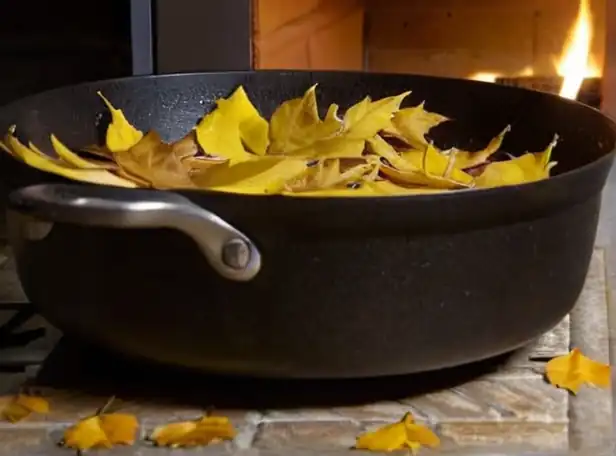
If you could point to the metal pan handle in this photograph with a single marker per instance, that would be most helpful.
(231, 253)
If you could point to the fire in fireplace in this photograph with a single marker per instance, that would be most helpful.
(553, 45)
(578, 75)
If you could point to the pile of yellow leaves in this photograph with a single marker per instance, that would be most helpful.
(375, 148)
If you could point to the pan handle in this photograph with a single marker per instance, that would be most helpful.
(231, 253)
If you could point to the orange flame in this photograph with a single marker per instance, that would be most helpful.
(484, 76)
(575, 63)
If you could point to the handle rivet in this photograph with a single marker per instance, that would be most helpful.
(236, 253)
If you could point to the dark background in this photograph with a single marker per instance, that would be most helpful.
(45, 44)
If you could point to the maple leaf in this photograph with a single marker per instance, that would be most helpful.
(218, 134)
(573, 370)
(296, 124)
(200, 432)
(253, 129)
(366, 118)
(22, 406)
(121, 135)
(406, 433)
(33, 157)
(411, 125)
(529, 167)
(466, 159)
(102, 431)
(153, 161)
(260, 175)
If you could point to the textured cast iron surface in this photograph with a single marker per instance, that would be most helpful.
(354, 287)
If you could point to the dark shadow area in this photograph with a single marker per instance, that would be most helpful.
(49, 44)
(75, 366)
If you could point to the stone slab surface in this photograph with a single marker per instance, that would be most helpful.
(503, 407)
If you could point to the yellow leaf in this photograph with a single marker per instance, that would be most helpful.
(412, 124)
(154, 161)
(201, 432)
(260, 175)
(573, 370)
(101, 431)
(465, 159)
(378, 146)
(428, 168)
(332, 113)
(397, 436)
(529, 167)
(219, 134)
(296, 124)
(338, 147)
(366, 118)
(328, 174)
(253, 128)
(49, 165)
(22, 406)
(120, 428)
(121, 135)
(7, 149)
(70, 157)
(86, 434)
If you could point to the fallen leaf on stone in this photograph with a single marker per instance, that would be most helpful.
(22, 406)
(405, 434)
(200, 432)
(102, 431)
(121, 135)
(573, 370)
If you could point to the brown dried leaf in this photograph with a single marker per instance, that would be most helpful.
(153, 161)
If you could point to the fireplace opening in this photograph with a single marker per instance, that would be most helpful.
(559, 46)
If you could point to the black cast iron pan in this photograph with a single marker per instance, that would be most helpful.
(282, 287)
